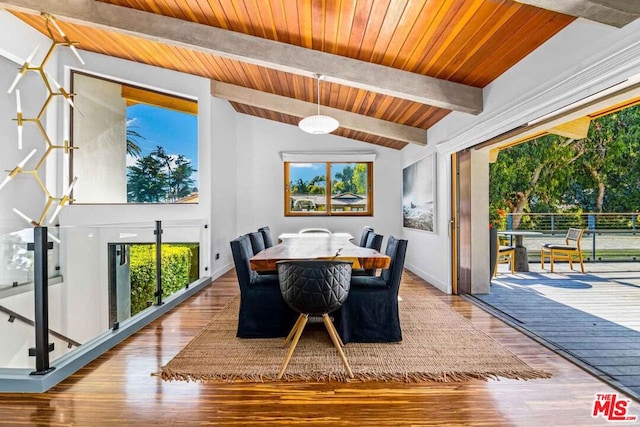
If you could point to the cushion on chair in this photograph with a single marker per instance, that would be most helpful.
(266, 280)
(564, 247)
(368, 282)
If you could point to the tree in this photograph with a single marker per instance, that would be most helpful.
(146, 181)
(133, 147)
(351, 179)
(344, 181)
(315, 186)
(160, 177)
(531, 176)
(360, 178)
(552, 173)
(608, 170)
(180, 181)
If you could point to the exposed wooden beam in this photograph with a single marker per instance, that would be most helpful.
(617, 13)
(575, 129)
(254, 50)
(294, 107)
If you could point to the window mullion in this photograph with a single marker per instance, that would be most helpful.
(328, 187)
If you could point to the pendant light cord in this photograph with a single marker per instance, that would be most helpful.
(318, 75)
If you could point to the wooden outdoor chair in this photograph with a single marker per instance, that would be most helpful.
(504, 254)
(564, 252)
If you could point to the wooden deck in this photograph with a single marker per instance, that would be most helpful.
(118, 389)
(590, 318)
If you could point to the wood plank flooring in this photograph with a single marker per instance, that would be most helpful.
(117, 388)
(592, 317)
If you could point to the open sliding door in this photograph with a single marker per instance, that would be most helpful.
(461, 222)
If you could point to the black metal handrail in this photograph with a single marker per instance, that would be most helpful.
(16, 316)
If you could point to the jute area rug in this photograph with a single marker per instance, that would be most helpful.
(438, 345)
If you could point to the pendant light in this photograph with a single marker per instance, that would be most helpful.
(318, 124)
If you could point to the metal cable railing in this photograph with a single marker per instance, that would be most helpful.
(607, 237)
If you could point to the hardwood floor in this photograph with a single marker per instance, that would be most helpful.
(117, 388)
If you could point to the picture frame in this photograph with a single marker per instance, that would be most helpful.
(419, 194)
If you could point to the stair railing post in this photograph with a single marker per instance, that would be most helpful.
(41, 247)
(158, 233)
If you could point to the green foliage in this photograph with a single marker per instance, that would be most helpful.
(133, 147)
(350, 178)
(315, 186)
(600, 173)
(160, 178)
(176, 272)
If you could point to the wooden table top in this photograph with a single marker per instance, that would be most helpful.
(283, 236)
(320, 246)
(519, 233)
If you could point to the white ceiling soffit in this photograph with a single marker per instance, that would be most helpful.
(254, 50)
(329, 156)
(617, 13)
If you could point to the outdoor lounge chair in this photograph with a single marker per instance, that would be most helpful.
(564, 252)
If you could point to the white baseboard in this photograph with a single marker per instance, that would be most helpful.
(444, 287)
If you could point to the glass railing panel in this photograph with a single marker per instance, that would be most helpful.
(96, 295)
(183, 250)
(16, 297)
(100, 277)
(16, 260)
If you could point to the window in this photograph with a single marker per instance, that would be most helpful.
(328, 188)
(134, 145)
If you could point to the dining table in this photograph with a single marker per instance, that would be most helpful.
(336, 246)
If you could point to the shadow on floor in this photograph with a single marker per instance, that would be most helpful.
(605, 348)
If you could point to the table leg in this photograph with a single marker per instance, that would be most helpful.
(521, 262)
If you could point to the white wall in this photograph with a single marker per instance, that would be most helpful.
(580, 61)
(100, 135)
(260, 180)
(224, 173)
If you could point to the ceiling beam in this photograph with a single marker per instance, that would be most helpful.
(575, 129)
(294, 107)
(255, 50)
(617, 13)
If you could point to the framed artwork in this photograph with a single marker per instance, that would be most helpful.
(418, 194)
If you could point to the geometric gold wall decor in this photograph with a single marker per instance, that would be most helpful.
(53, 89)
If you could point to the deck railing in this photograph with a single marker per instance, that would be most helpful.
(607, 237)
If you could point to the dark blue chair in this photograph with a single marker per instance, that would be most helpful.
(263, 313)
(374, 241)
(257, 241)
(266, 236)
(365, 234)
(371, 314)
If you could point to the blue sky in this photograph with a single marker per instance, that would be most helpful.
(307, 171)
(176, 132)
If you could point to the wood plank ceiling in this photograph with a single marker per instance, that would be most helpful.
(465, 41)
